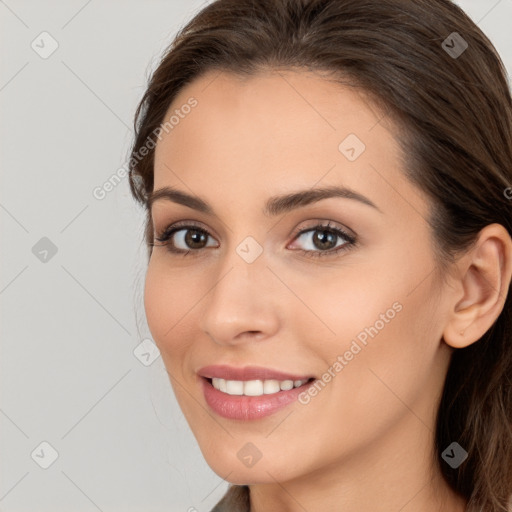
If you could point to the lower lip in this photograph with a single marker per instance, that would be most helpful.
(241, 407)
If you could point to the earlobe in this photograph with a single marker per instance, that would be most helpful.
(485, 275)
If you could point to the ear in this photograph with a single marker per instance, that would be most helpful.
(482, 285)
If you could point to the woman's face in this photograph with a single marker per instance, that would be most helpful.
(266, 284)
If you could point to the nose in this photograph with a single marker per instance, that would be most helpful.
(242, 304)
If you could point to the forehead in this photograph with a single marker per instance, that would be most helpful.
(278, 131)
(289, 105)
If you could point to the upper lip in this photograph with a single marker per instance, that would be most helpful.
(247, 373)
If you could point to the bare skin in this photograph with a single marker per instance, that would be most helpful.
(364, 443)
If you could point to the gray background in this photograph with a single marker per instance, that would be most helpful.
(69, 373)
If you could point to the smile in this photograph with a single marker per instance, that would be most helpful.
(250, 393)
(255, 387)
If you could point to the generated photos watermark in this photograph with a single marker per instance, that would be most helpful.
(355, 348)
(100, 192)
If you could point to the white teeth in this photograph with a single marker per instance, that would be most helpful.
(254, 387)
(286, 385)
(219, 384)
(270, 386)
(234, 387)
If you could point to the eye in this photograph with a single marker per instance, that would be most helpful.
(322, 240)
(319, 240)
(183, 238)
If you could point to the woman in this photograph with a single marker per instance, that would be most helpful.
(328, 194)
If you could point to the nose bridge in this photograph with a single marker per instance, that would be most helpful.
(241, 298)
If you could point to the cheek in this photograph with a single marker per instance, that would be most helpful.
(382, 302)
(157, 302)
(168, 301)
(381, 323)
(393, 377)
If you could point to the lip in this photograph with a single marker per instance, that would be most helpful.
(248, 373)
(241, 407)
(245, 408)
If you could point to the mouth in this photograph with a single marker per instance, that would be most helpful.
(250, 393)
(247, 373)
(256, 387)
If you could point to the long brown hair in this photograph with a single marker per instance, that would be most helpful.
(443, 84)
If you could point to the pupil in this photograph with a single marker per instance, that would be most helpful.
(323, 239)
(194, 237)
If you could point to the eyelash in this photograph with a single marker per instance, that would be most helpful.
(165, 236)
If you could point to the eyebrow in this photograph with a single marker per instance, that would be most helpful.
(275, 205)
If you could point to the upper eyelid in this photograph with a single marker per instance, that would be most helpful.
(182, 224)
(316, 222)
(327, 224)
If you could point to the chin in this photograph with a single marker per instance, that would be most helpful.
(263, 471)
(249, 476)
